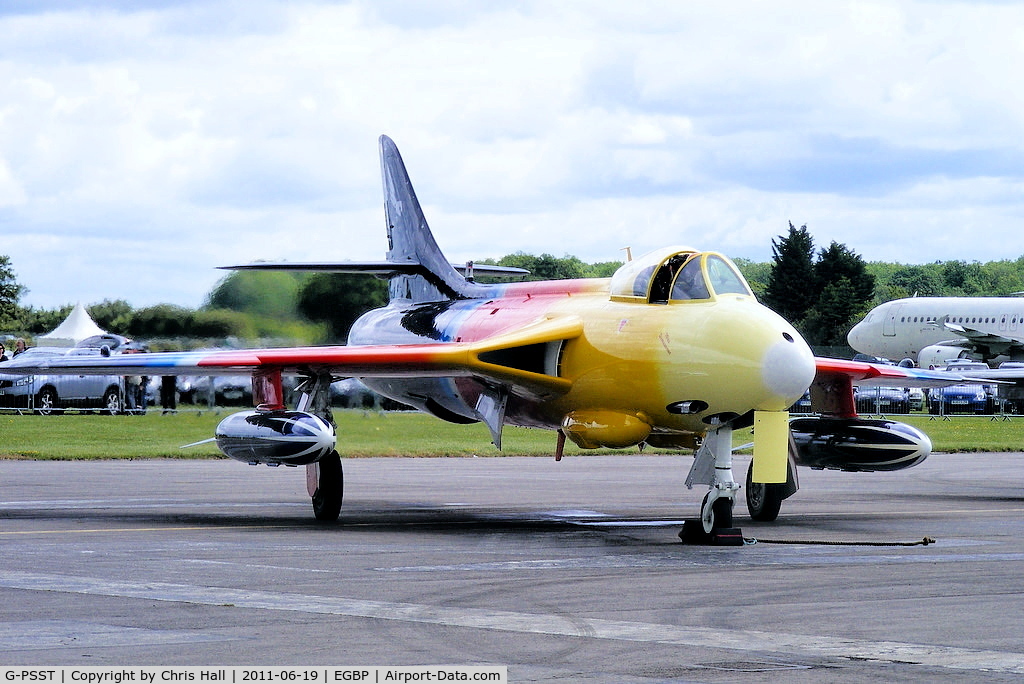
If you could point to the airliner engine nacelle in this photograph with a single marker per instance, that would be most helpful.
(275, 437)
(858, 445)
(936, 355)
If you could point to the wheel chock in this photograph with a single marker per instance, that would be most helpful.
(693, 534)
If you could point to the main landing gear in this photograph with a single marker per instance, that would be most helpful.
(765, 500)
(325, 480)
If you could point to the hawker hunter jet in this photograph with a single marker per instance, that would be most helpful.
(673, 351)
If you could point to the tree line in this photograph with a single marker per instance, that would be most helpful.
(822, 291)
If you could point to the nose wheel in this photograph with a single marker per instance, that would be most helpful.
(716, 514)
(715, 525)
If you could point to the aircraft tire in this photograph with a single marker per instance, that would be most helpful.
(764, 501)
(720, 514)
(723, 512)
(330, 488)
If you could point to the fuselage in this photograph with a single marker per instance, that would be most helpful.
(667, 360)
(902, 328)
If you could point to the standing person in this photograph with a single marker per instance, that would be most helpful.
(168, 394)
(131, 387)
(131, 393)
(135, 385)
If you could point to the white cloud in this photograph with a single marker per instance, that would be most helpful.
(153, 141)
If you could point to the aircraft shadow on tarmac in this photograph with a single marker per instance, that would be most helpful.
(414, 518)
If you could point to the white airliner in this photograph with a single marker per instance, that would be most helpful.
(933, 330)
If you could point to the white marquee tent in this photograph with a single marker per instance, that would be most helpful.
(75, 328)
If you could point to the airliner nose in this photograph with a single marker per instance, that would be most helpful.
(787, 371)
(853, 337)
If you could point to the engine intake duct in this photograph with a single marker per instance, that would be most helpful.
(528, 357)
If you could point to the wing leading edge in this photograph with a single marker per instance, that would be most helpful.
(832, 388)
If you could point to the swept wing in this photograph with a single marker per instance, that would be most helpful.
(832, 388)
(504, 358)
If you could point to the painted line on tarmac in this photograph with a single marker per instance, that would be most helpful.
(123, 530)
(894, 513)
(133, 504)
(535, 623)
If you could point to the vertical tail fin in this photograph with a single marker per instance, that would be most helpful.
(410, 240)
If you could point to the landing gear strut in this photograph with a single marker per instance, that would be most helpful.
(325, 480)
(713, 466)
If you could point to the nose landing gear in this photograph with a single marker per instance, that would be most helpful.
(713, 466)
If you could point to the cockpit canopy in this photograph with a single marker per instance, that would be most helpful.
(677, 274)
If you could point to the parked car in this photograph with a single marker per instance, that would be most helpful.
(803, 404)
(916, 399)
(882, 399)
(1010, 395)
(229, 390)
(352, 393)
(960, 399)
(114, 344)
(46, 394)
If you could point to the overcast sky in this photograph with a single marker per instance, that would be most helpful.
(144, 143)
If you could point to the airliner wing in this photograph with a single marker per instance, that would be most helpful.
(977, 337)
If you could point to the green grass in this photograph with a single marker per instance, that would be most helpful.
(961, 433)
(360, 433)
(970, 433)
(85, 436)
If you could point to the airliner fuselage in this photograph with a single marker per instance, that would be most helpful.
(932, 330)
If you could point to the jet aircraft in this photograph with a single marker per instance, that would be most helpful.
(934, 330)
(672, 351)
